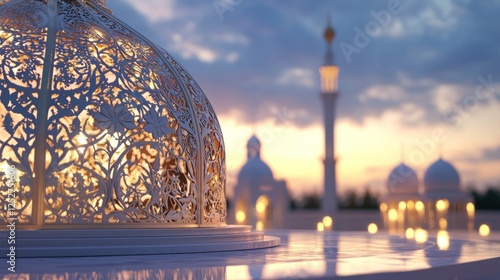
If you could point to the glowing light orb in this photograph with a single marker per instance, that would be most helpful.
(443, 240)
(320, 226)
(383, 207)
(419, 206)
(240, 216)
(421, 235)
(484, 230)
(410, 233)
(327, 221)
(402, 205)
(393, 215)
(372, 228)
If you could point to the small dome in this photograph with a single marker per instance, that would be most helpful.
(255, 171)
(441, 176)
(402, 179)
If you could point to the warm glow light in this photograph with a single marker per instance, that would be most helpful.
(402, 205)
(81, 139)
(443, 240)
(383, 207)
(329, 74)
(443, 223)
(261, 204)
(410, 205)
(320, 226)
(372, 228)
(441, 205)
(259, 226)
(484, 230)
(393, 215)
(260, 207)
(419, 206)
(470, 209)
(240, 216)
(327, 221)
(421, 235)
(410, 233)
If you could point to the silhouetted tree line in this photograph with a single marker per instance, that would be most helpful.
(308, 201)
(350, 200)
(366, 200)
(488, 200)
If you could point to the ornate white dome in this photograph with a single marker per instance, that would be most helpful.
(101, 125)
(402, 180)
(441, 177)
(255, 172)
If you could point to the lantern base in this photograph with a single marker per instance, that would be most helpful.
(119, 242)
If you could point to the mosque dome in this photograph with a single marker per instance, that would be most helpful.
(402, 180)
(101, 125)
(441, 177)
(255, 171)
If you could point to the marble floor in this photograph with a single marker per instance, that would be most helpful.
(301, 255)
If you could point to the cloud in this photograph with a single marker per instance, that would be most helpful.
(155, 10)
(491, 154)
(188, 49)
(382, 92)
(394, 29)
(297, 76)
(232, 57)
(445, 96)
(266, 53)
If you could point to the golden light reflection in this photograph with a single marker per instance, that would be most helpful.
(81, 139)
(393, 215)
(441, 205)
(383, 207)
(419, 206)
(470, 209)
(443, 240)
(259, 226)
(261, 204)
(402, 205)
(484, 230)
(320, 226)
(443, 223)
(327, 222)
(410, 205)
(410, 233)
(421, 235)
(240, 216)
(260, 207)
(372, 228)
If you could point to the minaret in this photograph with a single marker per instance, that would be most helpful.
(329, 74)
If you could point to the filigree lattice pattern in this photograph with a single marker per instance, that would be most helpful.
(130, 136)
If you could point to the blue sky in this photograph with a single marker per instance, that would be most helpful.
(422, 66)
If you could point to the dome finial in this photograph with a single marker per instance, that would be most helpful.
(253, 147)
(329, 33)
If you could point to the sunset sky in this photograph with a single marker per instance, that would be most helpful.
(426, 72)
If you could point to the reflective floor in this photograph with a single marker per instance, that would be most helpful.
(303, 254)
